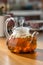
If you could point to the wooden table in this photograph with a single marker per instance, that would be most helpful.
(8, 58)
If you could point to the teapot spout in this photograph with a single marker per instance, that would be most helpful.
(35, 34)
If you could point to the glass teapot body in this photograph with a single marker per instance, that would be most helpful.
(21, 40)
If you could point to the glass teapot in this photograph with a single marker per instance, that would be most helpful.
(21, 40)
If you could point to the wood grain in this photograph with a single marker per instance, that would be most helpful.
(8, 58)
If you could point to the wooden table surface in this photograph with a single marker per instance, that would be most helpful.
(8, 58)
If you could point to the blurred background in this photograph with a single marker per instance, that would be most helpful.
(36, 7)
(31, 11)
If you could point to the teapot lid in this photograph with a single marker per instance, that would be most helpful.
(21, 32)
